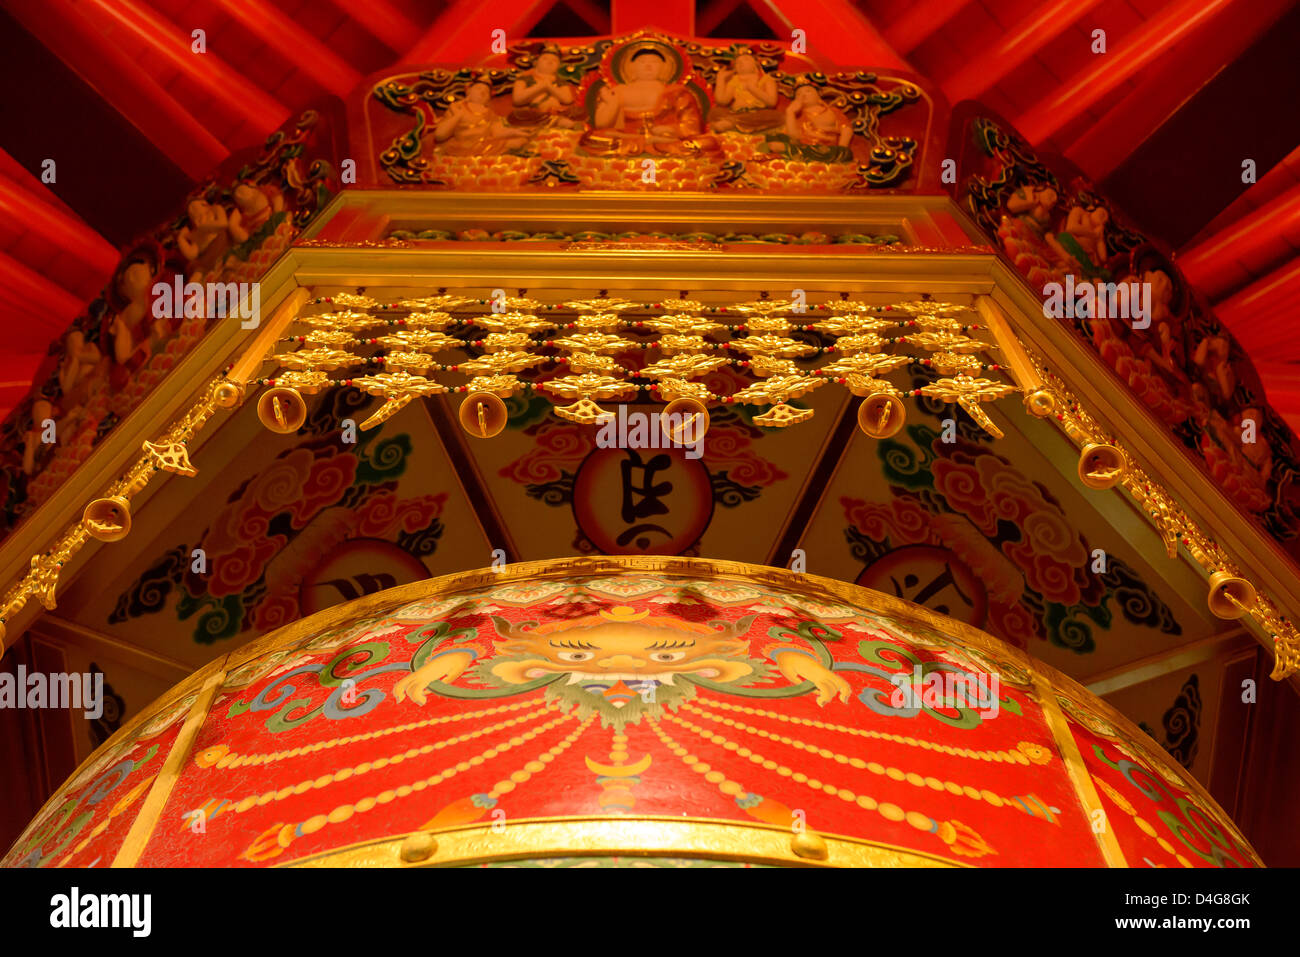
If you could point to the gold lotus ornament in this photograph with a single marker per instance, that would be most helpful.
(399, 389)
(334, 338)
(502, 386)
(597, 322)
(585, 388)
(947, 342)
(306, 381)
(496, 362)
(968, 393)
(605, 365)
(416, 362)
(349, 300)
(352, 322)
(598, 342)
(853, 325)
(435, 321)
(936, 323)
(483, 414)
(682, 325)
(762, 307)
(768, 324)
(773, 346)
(682, 305)
(778, 389)
(433, 303)
(862, 342)
(282, 410)
(781, 416)
(865, 363)
(171, 457)
(513, 322)
(420, 340)
(606, 304)
(672, 344)
(683, 366)
(881, 413)
(507, 342)
(764, 366)
(326, 359)
(671, 389)
(953, 363)
(925, 307)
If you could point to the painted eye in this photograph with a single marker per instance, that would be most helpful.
(575, 656)
(663, 657)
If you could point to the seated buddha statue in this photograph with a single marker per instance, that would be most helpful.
(745, 96)
(814, 130)
(644, 114)
(541, 99)
(471, 128)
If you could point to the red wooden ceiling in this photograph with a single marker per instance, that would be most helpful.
(1186, 90)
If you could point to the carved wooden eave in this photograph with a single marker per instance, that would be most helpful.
(945, 257)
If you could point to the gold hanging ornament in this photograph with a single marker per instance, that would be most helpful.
(968, 393)
(282, 410)
(108, 519)
(1101, 465)
(483, 414)
(881, 413)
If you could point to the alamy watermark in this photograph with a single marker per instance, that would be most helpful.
(650, 430)
(56, 690)
(1098, 300)
(209, 300)
(942, 688)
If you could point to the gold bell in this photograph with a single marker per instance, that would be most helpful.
(107, 519)
(1101, 466)
(282, 410)
(1040, 403)
(1230, 596)
(684, 420)
(881, 414)
(483, 415)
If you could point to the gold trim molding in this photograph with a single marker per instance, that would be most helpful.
(697, 838)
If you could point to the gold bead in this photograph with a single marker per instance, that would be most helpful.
(808, 845)
(229, 395)
(1040, 403)
(418, 846)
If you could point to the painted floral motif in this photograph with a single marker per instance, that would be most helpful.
(1014, 562)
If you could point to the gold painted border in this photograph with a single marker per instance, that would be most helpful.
(704, 838)
(1082, 781)
(146, 820)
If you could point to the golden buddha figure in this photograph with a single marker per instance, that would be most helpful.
(814, 130)
(745, 98)
(541, 98)
(471, 128)
(642, 113)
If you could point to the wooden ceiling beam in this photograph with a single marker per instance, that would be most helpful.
(835, 30)
(1127, 57)
(383, 21)
(1020, 42)
(920, 21)
(225, 85)
(124, 85)
(38, 215)
(1168, 86)
(463, 32)
(295, 44)
(1247, 248)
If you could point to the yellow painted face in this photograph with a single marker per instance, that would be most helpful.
(623, 651)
